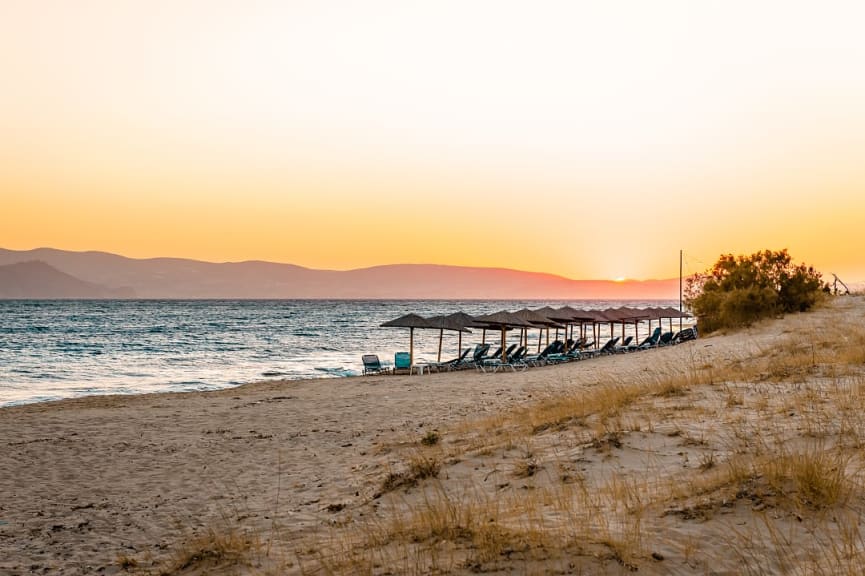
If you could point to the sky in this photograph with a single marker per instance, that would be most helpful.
(594, 140)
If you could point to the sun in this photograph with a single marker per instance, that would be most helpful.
(619, 279)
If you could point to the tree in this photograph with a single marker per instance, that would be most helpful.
(738, 290)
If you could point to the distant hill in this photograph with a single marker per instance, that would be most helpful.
(110, 275)
(36, 279)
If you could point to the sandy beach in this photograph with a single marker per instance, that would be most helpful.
(736, 453)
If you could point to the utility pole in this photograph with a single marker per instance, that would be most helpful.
(680, 291)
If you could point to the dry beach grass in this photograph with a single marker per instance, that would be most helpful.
(734, 454)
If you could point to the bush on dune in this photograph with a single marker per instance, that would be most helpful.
(739, 290)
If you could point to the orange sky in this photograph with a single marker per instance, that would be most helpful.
(591, 140)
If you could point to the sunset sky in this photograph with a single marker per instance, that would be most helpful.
(586, 139)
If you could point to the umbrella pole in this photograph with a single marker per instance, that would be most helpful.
(441, 332)
(460, 344)
(540, 338)
(410, 349)
(484, 336)
(504, 345)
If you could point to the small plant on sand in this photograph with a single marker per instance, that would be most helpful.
(526, 467)
(707, 461)
(420, 466)
(126, 563)
(431, 438)
(814, 478)
(216, 547)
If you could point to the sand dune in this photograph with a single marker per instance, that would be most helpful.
(691, 459)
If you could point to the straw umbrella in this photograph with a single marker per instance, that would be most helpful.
(597, 317)
(536, 319)
(572, 315)
(410, 321)
(670, 312)
(467, 321)
(456, 322)
(549, 312)
(503, 320)
(626, 314)
(654, 313)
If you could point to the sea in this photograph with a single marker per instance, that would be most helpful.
(55, 349)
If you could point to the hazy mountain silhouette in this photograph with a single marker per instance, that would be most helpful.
(181, 278)
(35, 279)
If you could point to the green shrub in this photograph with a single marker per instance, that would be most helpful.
(431, 439)
(738, 290)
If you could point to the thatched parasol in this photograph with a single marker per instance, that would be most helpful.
(625, 315)
(456, 322)
(503, 320)
(553, 315)
(410, 321)
(537, 319)
(670, 312)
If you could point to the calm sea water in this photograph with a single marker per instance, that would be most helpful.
(63, 349)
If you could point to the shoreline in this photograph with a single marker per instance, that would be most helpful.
(89, 480)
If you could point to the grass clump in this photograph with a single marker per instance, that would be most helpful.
(813, 478)
(216, 547)
(431, 438)
(420, 467)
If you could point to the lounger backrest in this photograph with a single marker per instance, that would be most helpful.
(401, 360)
(611, 343)
(548, 350)
(518, 353)
(371, 361)
(480, 350)
(653, 339)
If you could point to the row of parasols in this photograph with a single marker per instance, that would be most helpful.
(565, 318)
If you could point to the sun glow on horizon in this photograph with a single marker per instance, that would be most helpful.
(578, 139)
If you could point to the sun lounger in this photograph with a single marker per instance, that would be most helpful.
(450, 364)
(650, 340)
(540, 359)
(625, 346)
(372, 365)
(607, 348)
(401, 363)
(687, 334)
(513, 362)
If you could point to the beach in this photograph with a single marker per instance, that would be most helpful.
(665, 461)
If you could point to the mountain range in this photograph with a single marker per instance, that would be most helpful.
(51, 273)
